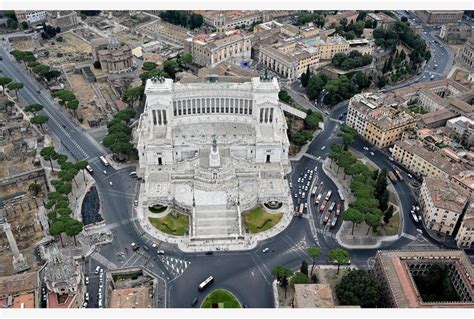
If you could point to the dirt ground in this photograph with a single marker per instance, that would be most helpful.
(331, 277)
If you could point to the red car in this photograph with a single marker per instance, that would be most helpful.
(326, 217)
(338, 209)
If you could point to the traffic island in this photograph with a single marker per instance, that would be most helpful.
(221, 298)
(258, 220)
(175, 224)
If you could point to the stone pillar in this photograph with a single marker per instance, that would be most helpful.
(19, 262)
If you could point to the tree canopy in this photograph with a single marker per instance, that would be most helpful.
(359, 288)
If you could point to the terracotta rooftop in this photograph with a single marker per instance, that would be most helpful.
(387, 117)
(439, 115)
(25, 300)
(57, 301)
(400, 282)
(446, 194)
(18, 283)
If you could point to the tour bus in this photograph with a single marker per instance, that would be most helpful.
(313, 192)
(326, 217)
(318, 198)
(331, 207)
(104, 161)
(338, 209)
(203, 285)
(333, 221)
(328, 195)
(323, 206)
(301, 208)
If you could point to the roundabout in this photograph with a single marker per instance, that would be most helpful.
(221, 298)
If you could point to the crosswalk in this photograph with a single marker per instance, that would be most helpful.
(175, 266)
(104, 261)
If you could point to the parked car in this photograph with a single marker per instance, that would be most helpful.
(265, 250)
(323, 148)
(97, 269)
(160, 252)
(87, 280)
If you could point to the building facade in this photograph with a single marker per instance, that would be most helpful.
(455, 33)
(466, 55)
(114, 57)
(331, 46)
(210, 50)
(383, 21)
(213, 148)
(289, 59)
(171, 34)
(443, 204)
(31, 16)
(63, 19)
(465, 235)
(440, 16)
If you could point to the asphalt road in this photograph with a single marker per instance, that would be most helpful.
(246, 274)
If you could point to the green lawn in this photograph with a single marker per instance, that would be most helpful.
(224, 299)
(392, 227)
(170, 225)
(258, 220)
(157, 209)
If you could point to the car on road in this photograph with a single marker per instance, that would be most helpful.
(87, 280)
(105, 172)
(134, 246)
(38, 91)
(84, 305)
(97, 269)
(160, 252)
(209, 253)
(86, 297)
(145, 247)
(194, 302)
(111, 184)
(366, 148)
(372, 153)
(135, 202)
(323, 148)
(409, 175)
(265, 250)
(133, 174)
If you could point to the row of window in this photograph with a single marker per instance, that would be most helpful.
(212, 105)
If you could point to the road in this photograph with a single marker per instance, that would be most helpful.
(247, 274)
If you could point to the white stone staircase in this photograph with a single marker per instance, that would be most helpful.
(213, 221)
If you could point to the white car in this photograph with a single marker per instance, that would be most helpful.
(86, 297)
(303, 195)
(366, 148)
(87, 280)
(265, 250)
(97, 269)
(372, 153)
(111, 184)
(323, 148)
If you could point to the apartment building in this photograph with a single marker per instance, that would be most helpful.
(395, 270)
(465, 235)
(440, 16)
(63, 19)
(289, 59)
(359, 107)
(210, 50)
(232, 18)
(386, 125)
(31, 16)
(443, 203)
(424, 160)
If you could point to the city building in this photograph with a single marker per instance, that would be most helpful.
(20, 291)
(63, 19)
(31, 16)
(133, 287)
(384, 21)
(463, 128)
(436, 119)
(171, 34)
(227, 69)
(440, 16)
(395, 271)
(290, 59)
(455, 33)
(232, 19)
(386, 125)
(211, 49)
(465, 235)
(313, 296)
(466, 54)
(213, 148)
(443, 203)
(329, 46)
(364, 46)
(424, 160)
(113, 56)
(350, 16)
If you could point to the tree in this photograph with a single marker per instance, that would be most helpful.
(304, 268)
(12, 24)
(132, 94)
(373, 219)
(353, 215)
(284, 96)
(338, 256)
(312, 121)
(148, 66)
(15, 86)
(299, 278)
(34, 188)
(48, 153)
(383, 200)
(56, 229)
(4, 81)
(34, 108)
(388, 214)
(170, 66)
(72, 105)
(359, 288)
(305, 77)
(185, 58)
(347, 134)
(40, 69)
(52, 75)
(39, 120)
(315, 253)
(81, 166)
(73, 228)
(282, 273)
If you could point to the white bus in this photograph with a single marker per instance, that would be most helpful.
(203, 285)
(328, 195)
(104, 161)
